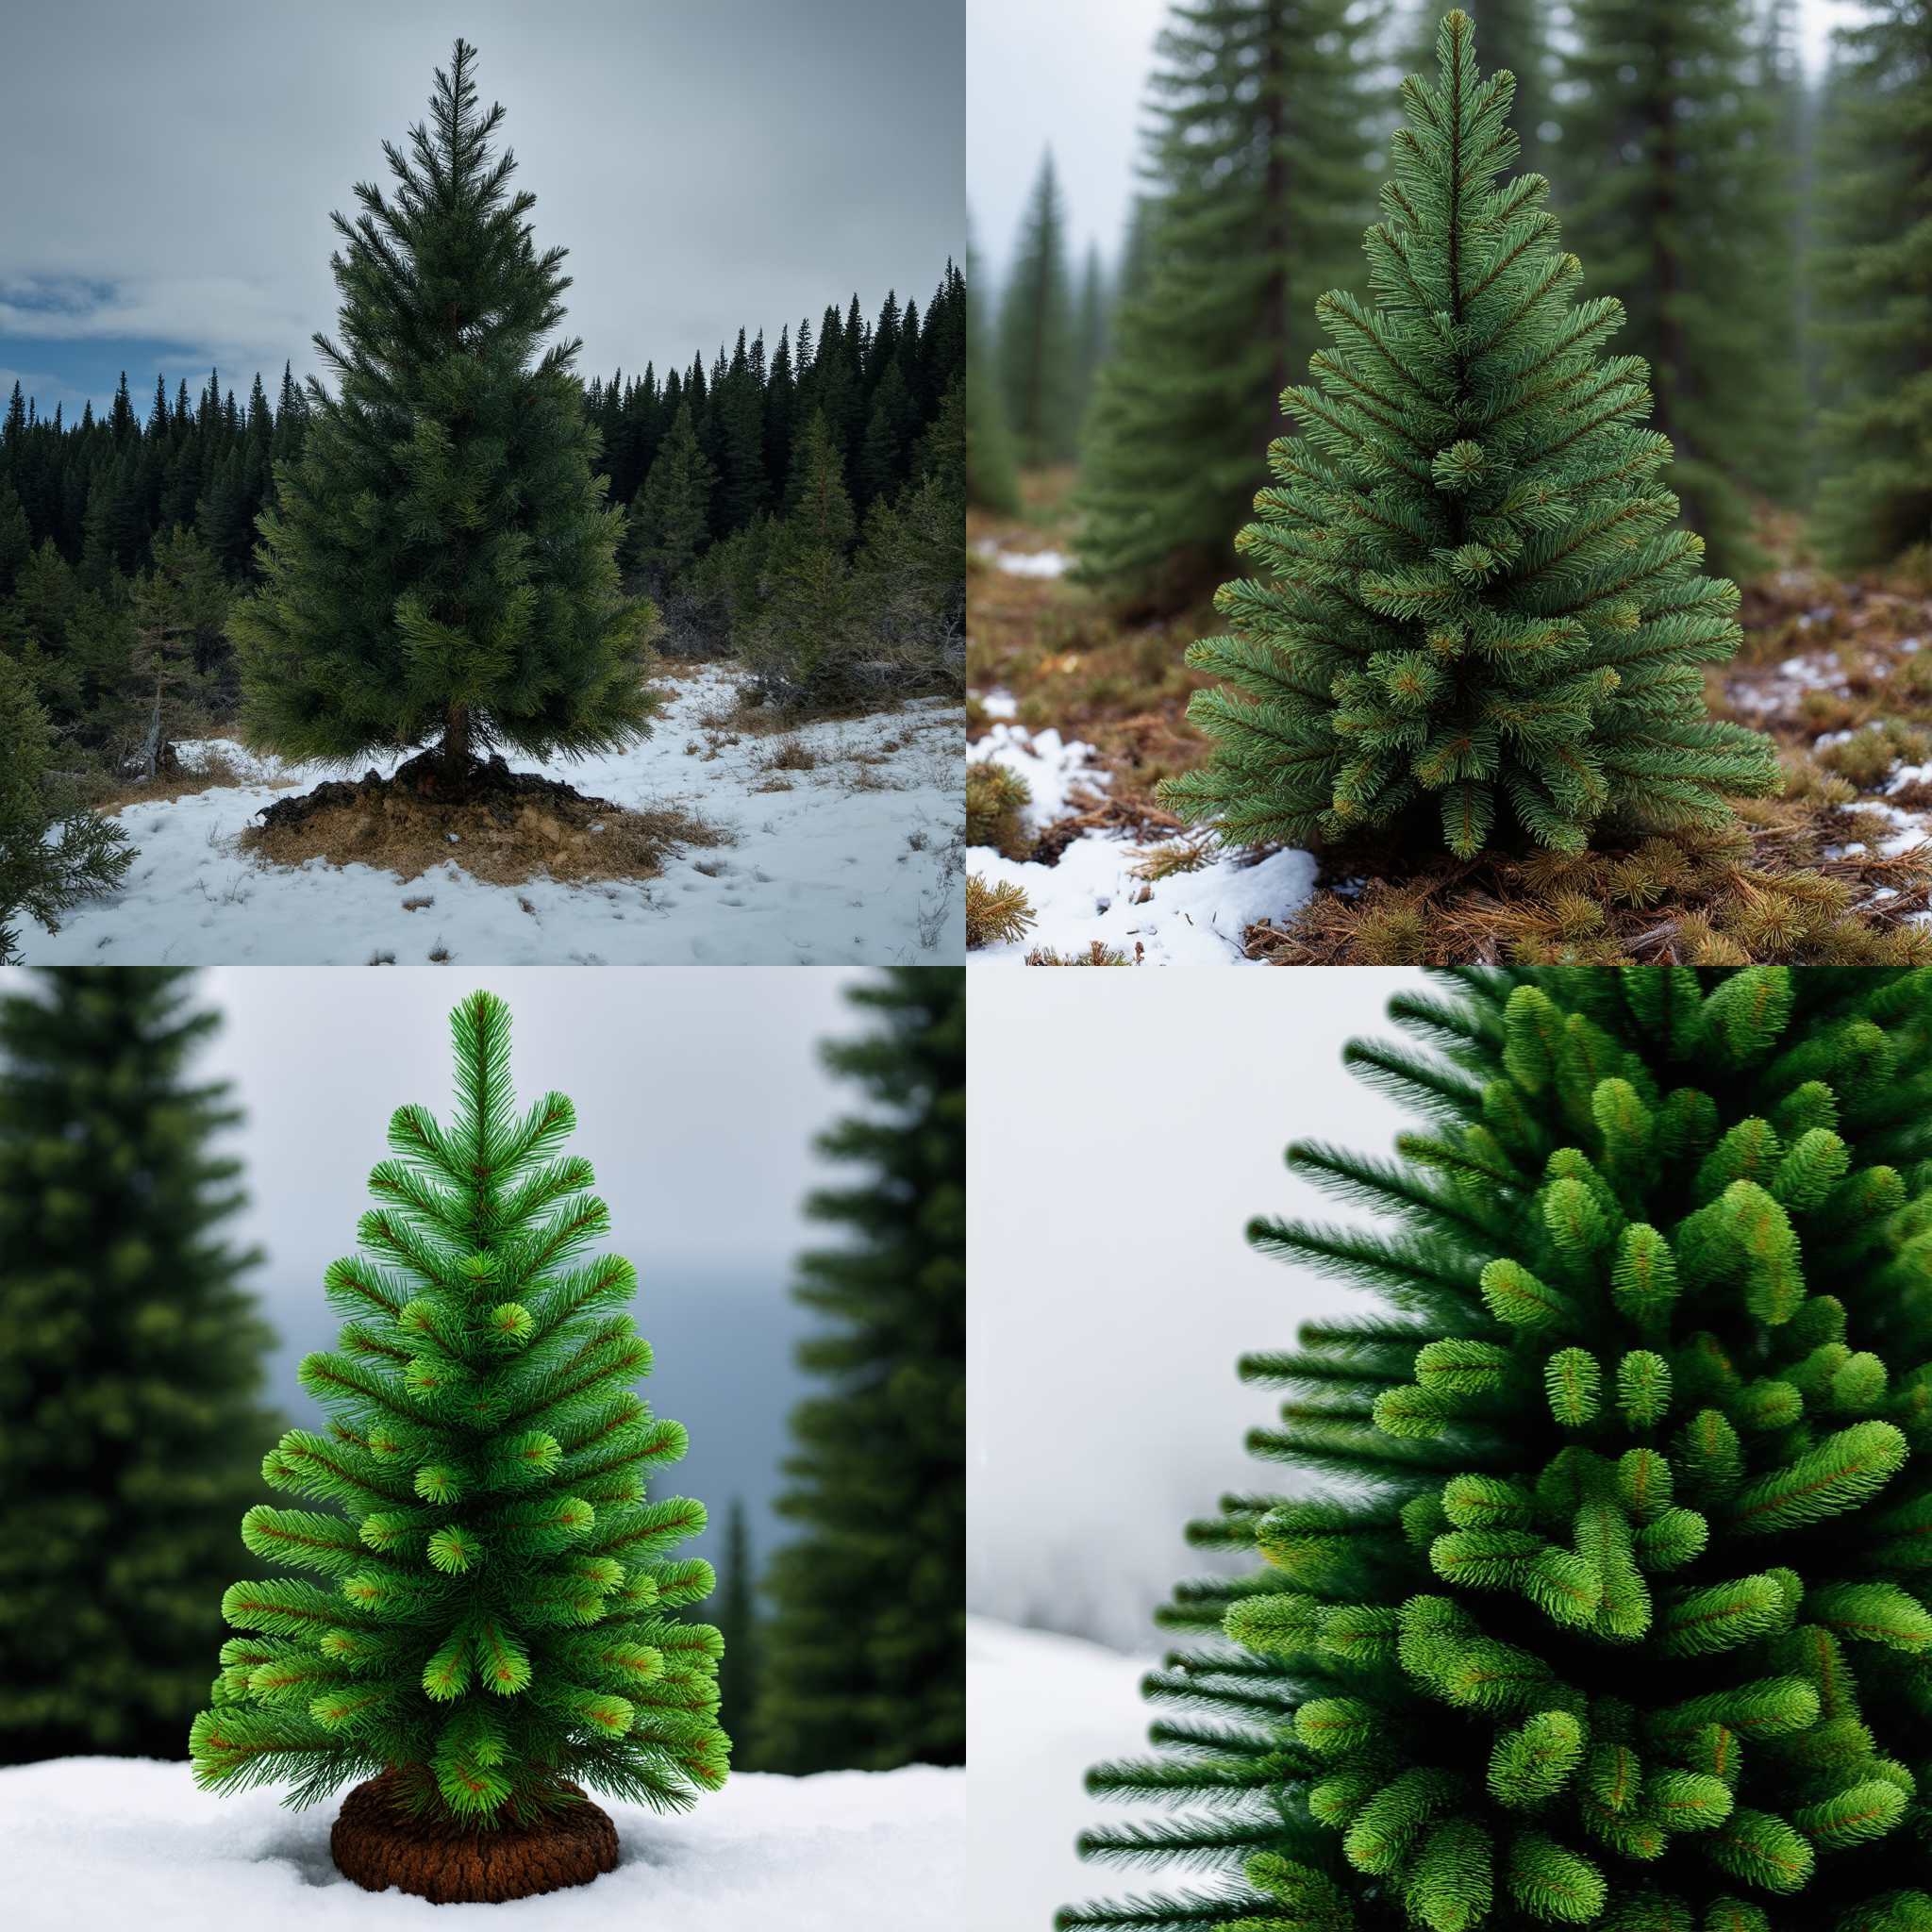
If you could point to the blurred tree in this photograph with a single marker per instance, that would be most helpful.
(1259, 186)
(738, 1620)
(863, 1660)
(992, 478)
(1089, 326)
(1039, 359)
(1874, 287)
(131, 1364)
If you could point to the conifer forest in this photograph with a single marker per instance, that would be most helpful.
(1476, 508)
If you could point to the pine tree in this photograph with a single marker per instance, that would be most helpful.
(53, 851)
(16, 538)
(670, 522)
(497, 1620)
(802, 642)
(1259, 140)
(738, 1626)
(1090, 327)
(1477, 616)
(130, 1372)
(1606, 1607)
(1039, 373)
(482, 607)
(1515, 34)
(863, 1662)
(1875, 289)
(1677, 195)
(991, 474)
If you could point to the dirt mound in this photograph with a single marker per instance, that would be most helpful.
(497, 824)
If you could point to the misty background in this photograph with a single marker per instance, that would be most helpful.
(698, 1093)
(739, 164)
(1119, 1139)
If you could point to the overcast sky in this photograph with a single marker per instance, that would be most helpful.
(708, 166)
(1119, 1140)
(1073, 73)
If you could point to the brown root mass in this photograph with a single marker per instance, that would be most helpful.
(379, 1846)
(497, 824)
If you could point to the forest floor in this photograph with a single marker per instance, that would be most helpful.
(1087, 708)
(90, 1843)
(734, 838)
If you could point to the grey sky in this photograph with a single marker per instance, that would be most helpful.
(1118, 1142)
(1073, 72)
(736, 162)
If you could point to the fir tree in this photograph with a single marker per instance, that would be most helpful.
(863, 1662)
(52, 852)
(131, 1367)
(1607, 1607)
(1039, 373)
(801, 643)
(497, 1618)
(1677, 195)
(1478, 614)
(482, 607)
(1514, 34)
(991, 474)
(1875, 289)
(738, 1626)
(1090, 327)
(670, 523)
(16, 539)
(1257, 156)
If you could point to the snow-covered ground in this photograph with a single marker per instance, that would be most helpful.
(1092, 891)
(1040, 1710)
(857, 862)
(92, 1844)
(1025, 563)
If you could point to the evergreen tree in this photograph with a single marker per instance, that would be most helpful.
(1875, 289)
(801, 643)
(671, 521)
(1514, 34)
(499, 1622)
(991, 474)
(1258, 150)
(1090, 327)
(1477, 611)
(1604, 1606)
(130, 1372)
(738, 1626)
(1678, 196)
(1039, 371)
(52, 852)
(864, 1660)
(482, 607)
(16, 539)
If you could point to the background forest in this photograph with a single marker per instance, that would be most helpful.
(1745, 176)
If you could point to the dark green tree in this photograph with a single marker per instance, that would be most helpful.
(991, 472)
(863, 1662)
(1038, 359)
(1477, 616)
(1089, 326)
(1594, 1589)
(1259, 188)
(738, 1619)
(1875, 289)
(802, 642)
(1677, 193)
(130, 1363)
(16, 539)
(482, 607)
(670, 522)
(497, 1623)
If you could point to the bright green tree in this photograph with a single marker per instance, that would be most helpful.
(1596, 1593)
(992, 470)
(1259, 140)
(670, 522)
(496, 1622)
(441, 566)
(863, 1659)
(1478, 614)
(1038, 364)
(1875, 289)
(130, 1362)
(1514, 34)
(1677, 193)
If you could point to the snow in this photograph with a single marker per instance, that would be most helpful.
(88, 1843)
(1188, 919)
(856, 863)
(1025, 563)
(999, 704)
(1040, 1710)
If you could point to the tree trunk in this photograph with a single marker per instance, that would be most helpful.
(456, 744)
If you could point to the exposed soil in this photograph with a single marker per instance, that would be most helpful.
(498, 824)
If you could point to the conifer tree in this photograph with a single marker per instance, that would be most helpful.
(738, 1626)
(1038, 372)
(496, 1620)
(1477, 619)
(991, 474)
(1875, 289)
(130, 1370)
(800, 646)
(670, 523)
(482, 608)
(1259, 137)
(863, 1660)
(1089, 326)
(1677, 195)
(1606, 1605)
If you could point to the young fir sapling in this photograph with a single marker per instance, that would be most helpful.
(1607, 1602)
(499, 1616)
(1476, 614)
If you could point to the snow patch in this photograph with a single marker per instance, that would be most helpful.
(1053, 767)
(1025, 563)
(999, 704)
(88, 1843)
(857, 862)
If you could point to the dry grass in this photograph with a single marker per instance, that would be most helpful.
(217, 770)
